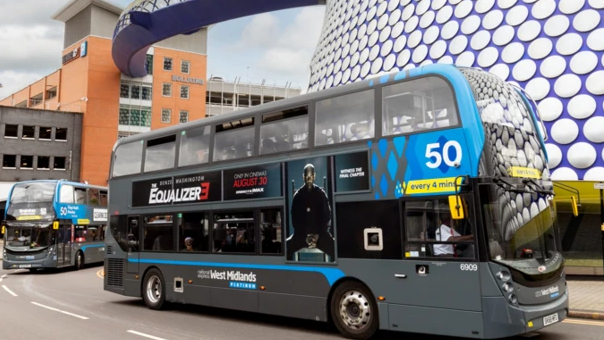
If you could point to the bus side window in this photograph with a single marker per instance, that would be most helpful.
(271, 231)
(193, 232)
(93, 196)
(80, 196)
(104, 198)
(345, 118)
(418, 105)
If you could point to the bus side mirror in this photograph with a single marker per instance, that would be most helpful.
(456, 207)
(574, 205)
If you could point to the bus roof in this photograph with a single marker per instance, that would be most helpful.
(448, 70)
(62, 181)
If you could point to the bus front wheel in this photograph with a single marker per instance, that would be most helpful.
(354, 311)
(154, 289)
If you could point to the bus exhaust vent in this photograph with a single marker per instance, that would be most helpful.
(115, 272)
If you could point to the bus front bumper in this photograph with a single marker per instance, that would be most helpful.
(29, 264)
(502, 320)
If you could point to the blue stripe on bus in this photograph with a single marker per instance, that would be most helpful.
(83, 248)
(331, 274)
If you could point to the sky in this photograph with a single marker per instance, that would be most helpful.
(276, 47)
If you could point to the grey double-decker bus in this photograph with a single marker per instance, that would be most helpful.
(417, 201)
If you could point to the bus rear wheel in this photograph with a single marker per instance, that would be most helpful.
(154, 293)
(354, 311)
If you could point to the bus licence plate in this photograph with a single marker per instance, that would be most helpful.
(25, 266)
(550, 319)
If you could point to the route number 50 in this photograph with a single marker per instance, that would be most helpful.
(438, 155)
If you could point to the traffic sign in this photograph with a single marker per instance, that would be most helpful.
(599, 186)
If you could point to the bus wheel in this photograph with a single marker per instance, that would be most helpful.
(354, 311)
(79, 260)
(154, 289)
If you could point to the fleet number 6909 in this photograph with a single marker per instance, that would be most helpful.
(433, 150)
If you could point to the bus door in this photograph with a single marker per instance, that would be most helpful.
(64, 242)
(133, 238)
(437, 275)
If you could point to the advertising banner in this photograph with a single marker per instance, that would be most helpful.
(253, 182)
(182, 189)
(352, 172)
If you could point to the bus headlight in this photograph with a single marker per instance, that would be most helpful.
(50, 251)
(513, 299)
(504, 275)
(507, 287)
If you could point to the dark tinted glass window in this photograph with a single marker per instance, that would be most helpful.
(234, 232)
(194, 232)
(158, 233)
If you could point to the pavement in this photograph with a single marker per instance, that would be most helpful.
(586, 297)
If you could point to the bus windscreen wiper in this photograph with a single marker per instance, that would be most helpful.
(511, 187)
(538, 188)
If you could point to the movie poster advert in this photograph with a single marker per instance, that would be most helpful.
(352, 172)
(310, 236)
(260, 181)
(195, 188)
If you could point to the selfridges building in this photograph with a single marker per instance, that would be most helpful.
(552, 48)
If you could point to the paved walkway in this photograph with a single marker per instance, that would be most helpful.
(586, 297)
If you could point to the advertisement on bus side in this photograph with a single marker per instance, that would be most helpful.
(310, 234)
(253, 182)
(204, 187)
(352, 172)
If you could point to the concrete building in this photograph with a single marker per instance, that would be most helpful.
(224, 96)
(38, 144)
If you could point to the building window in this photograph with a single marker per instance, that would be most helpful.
(167, 89)
(184, 92)
(43, 163)
(61, 134)
(184, 66)
(27, 162)
(51, 93)
(59, 163)
(135, 92)
(9, 161)
(147, 90)
(45, 132)
(166, 115)
(124, 91)
(11, 131)
(184, 116)
(149, 64)
(29, 132)
(167, 64)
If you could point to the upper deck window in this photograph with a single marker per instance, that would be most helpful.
(194, 146)
(345, 118)
(128, 158)
(284, 130)
(234, 139)
(418, 105)
(160, 153)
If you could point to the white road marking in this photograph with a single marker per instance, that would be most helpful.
(60, 311)
(145, 335)
(9, 291)
(3, 276)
